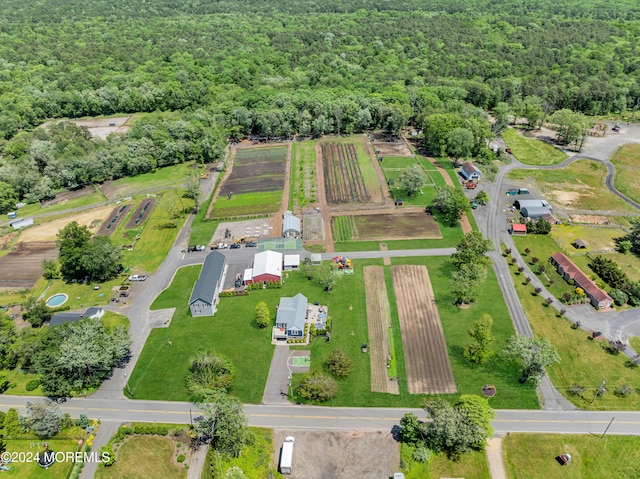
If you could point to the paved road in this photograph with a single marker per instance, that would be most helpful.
(329, 418)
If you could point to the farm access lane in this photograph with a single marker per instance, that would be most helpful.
(341, 418)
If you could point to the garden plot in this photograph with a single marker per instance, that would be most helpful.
(425, 350)
(379, 322)
(390, 226)
(384, 147)
(256, 170)
(22, 267)
(115, 218)
(47, 231)
(141, 214)
(343, 178)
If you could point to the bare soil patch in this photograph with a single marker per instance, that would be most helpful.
(425, 350)
(47, 231)
(141, 214)
(238, 185)
(249, 229)
(68, 195)
(340, 454)
(397, 226)
(343, 178)
(114, 219)
(22, 267)
(385, 147)
(313, 227)
(100, 127)
(378, 321)
(590, 219)
(256, 170)
(566, 198)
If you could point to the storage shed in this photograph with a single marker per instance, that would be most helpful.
(518, 229)
(207, 289)
(316, 258)
(290, 225)
(534, 212)
(21, 223)
(469, 171)
(291, 261)
(519, 204)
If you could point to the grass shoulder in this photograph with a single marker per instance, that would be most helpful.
(626, 179)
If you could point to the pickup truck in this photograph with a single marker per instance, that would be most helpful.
(223, 245)
(138, 277)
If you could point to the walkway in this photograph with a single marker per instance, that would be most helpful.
(495, 459)
(106, 430)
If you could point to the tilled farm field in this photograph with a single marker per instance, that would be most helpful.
(256, 170)
(22, 267)
(388, 226)
(343, 178)
(425, 349)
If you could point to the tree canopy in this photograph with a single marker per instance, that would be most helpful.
(533, 355)
(452, 204)
(223, 425)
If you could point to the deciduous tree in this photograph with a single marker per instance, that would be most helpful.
(479, 350)
(223, 425)
(339, 364)
(317, 387)
(209, 371)
(533, 355)
(412, 180)
(452, 204)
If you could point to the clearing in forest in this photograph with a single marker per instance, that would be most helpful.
(379, 321)
(425, 350)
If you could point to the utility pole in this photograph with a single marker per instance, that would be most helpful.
(601, 389)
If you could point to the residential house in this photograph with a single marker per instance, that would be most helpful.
(291, 317)
(62, 318)
(569, 271)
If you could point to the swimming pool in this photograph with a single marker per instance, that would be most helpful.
(57, 300)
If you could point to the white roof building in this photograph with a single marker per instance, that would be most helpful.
(267, 264)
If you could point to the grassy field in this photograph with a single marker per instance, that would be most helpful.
(532, 456)
(160, 372)
(599, 239)
(532, 151)
(634, 341)
(18, 380)
(83, 295)
(247, 204)
(470, 466)
(202, 229)
(112, 320)
(579, 186)
(165, 178)
(156, 238)
(303, 172)
(20, 295)
(626, 180)
(254, 460)
(583, 362)
(141, 457)
(31, 470)
(86, 200)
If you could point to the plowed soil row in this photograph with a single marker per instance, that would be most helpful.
(378, 320)
(22, 267)
(141, 213)
(343, 179)
(425, 349)
(115, 218)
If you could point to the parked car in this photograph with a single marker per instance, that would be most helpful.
(137, 277)
(235, 246)
(200, 247)
(223, 245)
(251, 244)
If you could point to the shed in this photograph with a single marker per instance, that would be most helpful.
(316, 258)
(247, 276)
(21, 223)
(12, 215)
(62, 318)
(291, 261)
(290, 225)
(519, 204)
(207, 288)
(518, 229)
(291, 317)
(534, 211)
(469, 171)
(267, 266)
(580, 244)
(398, 201)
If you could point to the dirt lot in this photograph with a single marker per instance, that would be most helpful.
(22, 267)
(340, 454)
(100, 127)
(68, 195)
(425, 349)
(141, 214)
(386, 147)
(378, 320)
(48, 231)
(250, 229)
(114, 219)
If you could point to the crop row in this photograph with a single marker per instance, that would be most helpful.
(343, 178)
(345, 229)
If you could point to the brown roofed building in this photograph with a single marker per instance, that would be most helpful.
(568, 270)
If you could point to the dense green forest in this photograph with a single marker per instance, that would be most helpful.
(293, 66)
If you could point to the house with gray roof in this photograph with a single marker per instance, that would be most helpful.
(206, 290)
(62, 318)
(291, 317)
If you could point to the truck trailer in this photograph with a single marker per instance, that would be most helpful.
(286, 455)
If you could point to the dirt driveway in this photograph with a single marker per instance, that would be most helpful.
(340, 454)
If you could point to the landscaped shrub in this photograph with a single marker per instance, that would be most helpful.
(32, 385)
(421, 454)
(623, 391)
(111, 455)
(317, 386)
(619, 297)
(181, 458)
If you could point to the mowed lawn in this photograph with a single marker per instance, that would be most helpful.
(247, 204)
(532, 151)
(583, 362)
(627, 180)
(532, 456)
(163, 178)
(163, 365)
(579, 186)
(85, 200)
(31, 470)
(141, 457)
(303, 186)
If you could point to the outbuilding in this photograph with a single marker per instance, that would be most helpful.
(62, 318)
(399, 202)
(569, 271)
(21, 223)
(316, 259)
(290, 225)
(519, 204)
(534, 212)
(206, 290)
(469, 171)
(291, 262)
(267, 266)
(519, 229)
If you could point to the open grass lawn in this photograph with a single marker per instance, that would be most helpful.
(532, 151)
(434, 173)
(163, 178)
(18, 380)
(82, 295)
(303, 189)
(579, 186)
(142, 457)
(156, 238)
(112, 320)
(627, 180)
(599, 239)
(86, 200)
(470, 466)
(202, 229)
(532, 456)
(397, 163)
(583, 362)
(634, 341)
(161, 370)
(31, 470)
(247, 204)
(255, 459)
